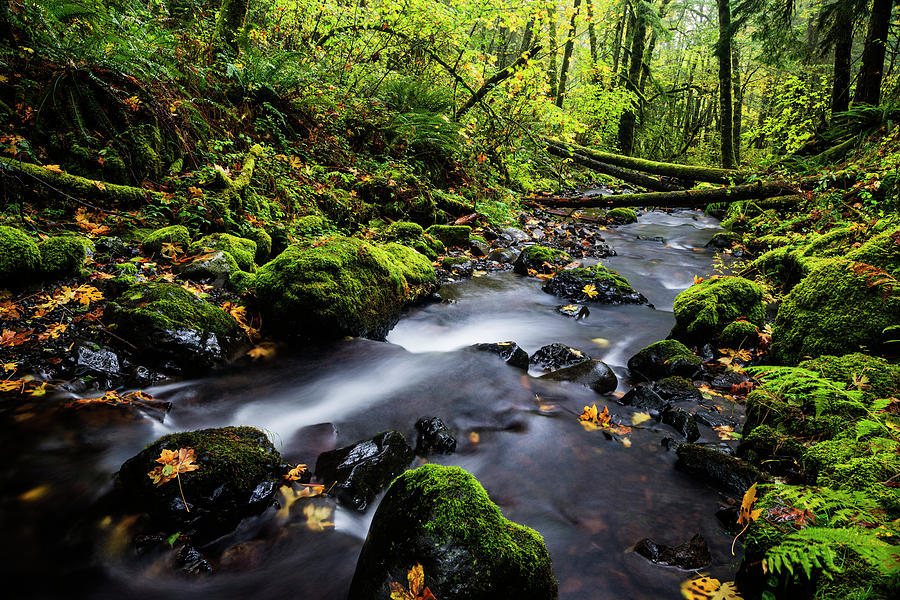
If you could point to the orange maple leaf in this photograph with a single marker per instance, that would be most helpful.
(294, 474)
(416, 586)
(171, 464)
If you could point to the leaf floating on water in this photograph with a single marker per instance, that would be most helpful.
(640, 417)
(707, 588)
(319, 518)
(602, 342)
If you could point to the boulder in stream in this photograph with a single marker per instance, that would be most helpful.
(434, 437)
(595, 374)
(693, 554)
(665, 359)
(593, 284)
(540, 259)
(356, 474)
(235, 474)
(704, 310)
(442, 519)
(511, 353)
(557, 356)
(724, 472)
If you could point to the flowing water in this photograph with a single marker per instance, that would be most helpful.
(590, 497)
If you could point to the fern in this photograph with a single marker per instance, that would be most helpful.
(802, 387)
(833, 507)
(816, 548)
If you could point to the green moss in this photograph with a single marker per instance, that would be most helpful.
(263, 244)
(766, 442)
(177, 235)
(451, 235)
(242, 282)
(832, 311)
(882, 250)
(783, 266)
(167, 306)
(881, 377)
(312, 226)
(64, 255)
(668, 359)
(704, 310)
(241, 249)
(424, 249)
(19, 256)
(345, 286)
(739, 334)
(449, 262)
(415, 267)
(126, 268)
(622, 215)
(539, 254)
(403, 230)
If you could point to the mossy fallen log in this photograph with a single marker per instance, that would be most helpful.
(639, 179)
(684, 172)
(679, 199)
(56, 182)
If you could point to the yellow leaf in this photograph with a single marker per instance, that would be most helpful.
(590, 290)
(266, 350)
(416, 579)
(639, 417)
(294, 474)
(319, 518)
(53, 168)
(747, 515)
(707, 588)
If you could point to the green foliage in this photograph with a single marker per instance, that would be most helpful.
(818, 548)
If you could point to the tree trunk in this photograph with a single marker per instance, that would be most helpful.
(230, 25)
(567, 56)
(554, 68)
(868, 86)
(620, 31)
(592, 36)
(737, 116)
(527, 36)
(648, 54)
(843, 47)
(629, 117)
(723, 51)
(683, 199)
(684, 172)
(638, 179)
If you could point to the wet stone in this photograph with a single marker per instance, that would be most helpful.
(434, 437)
(594, 374)
(514, 235)
(96, 361)
(511, 353)
(693, 554)
(356, 474)
(557, 356)
(643, 397)
(479, 248)
(503, 255)
(724, 472)
(683, 422)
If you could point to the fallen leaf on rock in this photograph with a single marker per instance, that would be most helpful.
(295, 473)
(707, 588)
(747, 515)
(726, 432)
(416, 589)
(171, 464)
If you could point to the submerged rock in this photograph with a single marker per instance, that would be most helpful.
(511, 353)
(693, 554)
(724, 472)
(173, 326)
(441, 517)
(356, 474)
(607, 287)
(342, 287)
(665, 359)
(236, 476)
(434, 437)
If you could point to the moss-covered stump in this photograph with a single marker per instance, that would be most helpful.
(838, 308)
(870, 373)
(64, 255)
(622, 215)
(665, 359)
(236, 476)
(704, 310)
(593, 284)
(20, 258)
(441, 517)
(451, 235)
(174, 327)
(241, 249)
(343, 287)
(177, 235)
(540, 259)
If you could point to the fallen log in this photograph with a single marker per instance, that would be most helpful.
(678, 199)
(639, 179)
(685, 172)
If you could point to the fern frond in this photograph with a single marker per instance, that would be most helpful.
(816, 548)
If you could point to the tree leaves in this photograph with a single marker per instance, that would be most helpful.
(592, 420)
(707, 588)
(417, 590)
(748, 514)
(171, 464)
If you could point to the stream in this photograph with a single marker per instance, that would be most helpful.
(591, 498)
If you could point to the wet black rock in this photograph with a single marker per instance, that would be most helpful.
(112, 247)
(441, 517)
(712, 419)
(100, 363)
(693, 554)
(434, 437)
(724, 239)
(190, 562)
(593, 373)
(510, 352)
(683, 422)
(726, 473)
(643, 397)
(503, 255)
(728, 379)
(213, 266)
(676, 389)
(238, 470)
(557, 356)
(356, 474)
(479, 248)
(665, 359)
(606, 287)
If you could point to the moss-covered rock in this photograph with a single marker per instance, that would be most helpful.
(242, 282)
(540, 259)
(241, 249)
(451, 235)
(412, 235)
(64, 255)
(727, 473)
(665, 359)
(622, 215)
(704, 310)
(210, 265)
(263, 244)
(237, 475)
(312, 226)
(441, 517)
(20, 258)
(739, 334)
(174, 327)
(871, 373)
(177, 235)
(416, 268)
(882, 250)
(606, 287)
(833, 311)
(343, 287)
